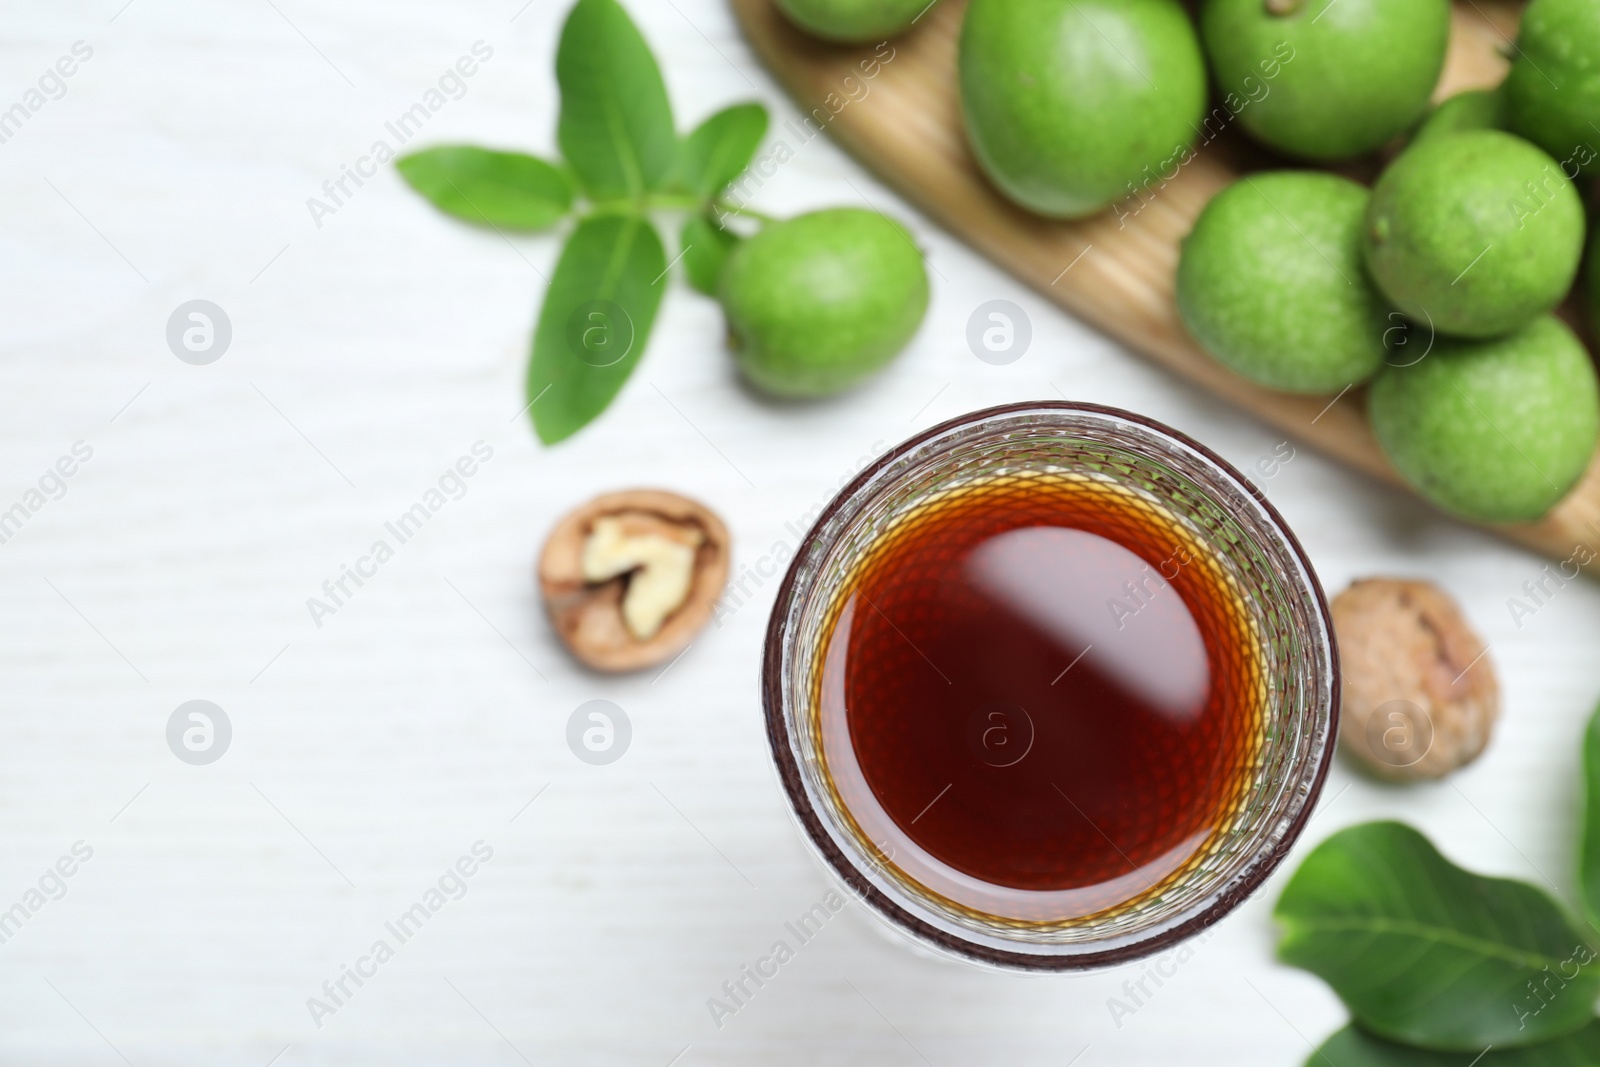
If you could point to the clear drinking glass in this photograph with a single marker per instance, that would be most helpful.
(1283, 605)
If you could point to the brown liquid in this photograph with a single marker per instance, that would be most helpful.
(1048, 686)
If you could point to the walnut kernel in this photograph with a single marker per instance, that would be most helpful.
(629, 578)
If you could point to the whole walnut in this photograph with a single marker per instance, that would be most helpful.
(1420, 696)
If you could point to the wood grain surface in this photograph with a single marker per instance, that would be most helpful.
(1115, 270)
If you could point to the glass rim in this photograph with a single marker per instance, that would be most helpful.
(1238, 886)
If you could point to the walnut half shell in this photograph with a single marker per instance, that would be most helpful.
(1420, 696)
(629, 578)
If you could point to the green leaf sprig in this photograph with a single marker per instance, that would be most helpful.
(623, 163)
(1439, 966)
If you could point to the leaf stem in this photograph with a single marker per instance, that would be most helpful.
(691, 204)
(643, 204)
(730, 209)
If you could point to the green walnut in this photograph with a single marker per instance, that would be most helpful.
(1474, 233)
(854, 21)
(1474, 109)
(819, 303)
(1270, 282)
(1553, 89)
(1494, 431)
(1326, 79)
(1072, 104)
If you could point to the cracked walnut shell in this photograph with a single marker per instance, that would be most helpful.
(1419, 695)
(629, 578)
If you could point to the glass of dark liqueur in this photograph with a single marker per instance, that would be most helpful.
(1051, 686)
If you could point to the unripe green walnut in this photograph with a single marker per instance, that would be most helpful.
(1071, 104)
(854, 21)
(1474, 233)
(1497, 430)
(1553, 89)
(1355, 73)
(819, 303)
(1270, 282)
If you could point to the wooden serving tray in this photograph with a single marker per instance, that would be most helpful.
(1116, 273)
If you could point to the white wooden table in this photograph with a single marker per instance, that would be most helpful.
(369, 755)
